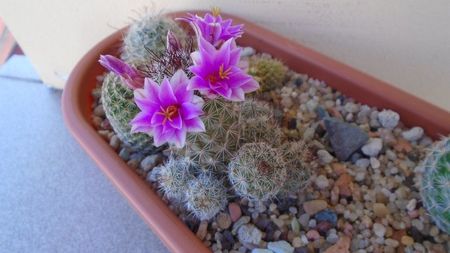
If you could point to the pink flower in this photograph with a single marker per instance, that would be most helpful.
(131, 76)
(213, 28)
(216, 72)
(168, 111)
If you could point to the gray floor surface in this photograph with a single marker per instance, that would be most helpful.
(53, 198)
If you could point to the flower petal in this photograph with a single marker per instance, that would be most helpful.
(195, 125)
(141, 123)
(190, 111)
(176, 122)
(166, 96)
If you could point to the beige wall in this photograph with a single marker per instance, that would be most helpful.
(405, 42)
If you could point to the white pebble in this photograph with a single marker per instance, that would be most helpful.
(413, 134)
(280, 247)
(373, 147)
(388, 119)
(247, 51)
(322, 182)
(411, 205)
(324, 156)
(379, 229)
(374, 163)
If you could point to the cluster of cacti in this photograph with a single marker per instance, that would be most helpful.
(214, 147)
(258, 171)
(269, 72)
(120, 109)
(202, 193)
(436, 184)
(147, 35)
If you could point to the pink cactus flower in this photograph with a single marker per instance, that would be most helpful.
(168, 111)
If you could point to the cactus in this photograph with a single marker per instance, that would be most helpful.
(269, 72)
(214, 148)
(295, 155)
(206, 196)
(147, 35)
(436, 184)
(120, 109)
(257, 172)
(258, 124)
(174, 176)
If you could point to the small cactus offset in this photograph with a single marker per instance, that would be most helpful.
(295, 155)
(269, 72)
(258, 124)
(174, 176)
(206, 196)
(257, 172)
(120, 109)
(146, 35)
(213, 148)
(436, 184)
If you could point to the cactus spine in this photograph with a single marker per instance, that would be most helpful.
(295, 154)
(436, 184)
(257, 172)
(120, 109)
(206, 196)
(174, 176)
(147, 35)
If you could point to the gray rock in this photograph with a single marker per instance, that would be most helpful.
(243, 220)
(149, 162)
(280, 247)
(153, 175)
(324, 156)
(388, 119)
(413, 134)
(362, 163)
(345, 138)
(249, 234)
(373, 147)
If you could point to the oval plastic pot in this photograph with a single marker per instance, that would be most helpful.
(77, 101)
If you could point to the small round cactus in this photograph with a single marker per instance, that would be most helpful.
(120, 109)
(436, 184)
(295, 154)
(175, 175)
(206, 196)
(269, 72)
(257, 172)
(147, 35)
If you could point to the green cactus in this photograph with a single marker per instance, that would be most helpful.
(295, 155)
(269, 72)
(120, 109)
(257, 172)
(258, 124)
(436, 184)
(174, 176)
(146, 36)
(214, 148)
(206, 196)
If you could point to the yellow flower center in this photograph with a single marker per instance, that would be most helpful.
(222, 75)
(168, 113)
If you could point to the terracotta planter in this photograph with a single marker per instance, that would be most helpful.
(176, 236)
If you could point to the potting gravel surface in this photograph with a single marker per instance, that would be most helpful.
(370, 203)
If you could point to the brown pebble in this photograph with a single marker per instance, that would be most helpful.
(339, 168)
(403, 145)
(342, 246)
(223, 220)
(380, 210)
(202, 230)
(407, 240)
(314, 206)
(235, 211)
